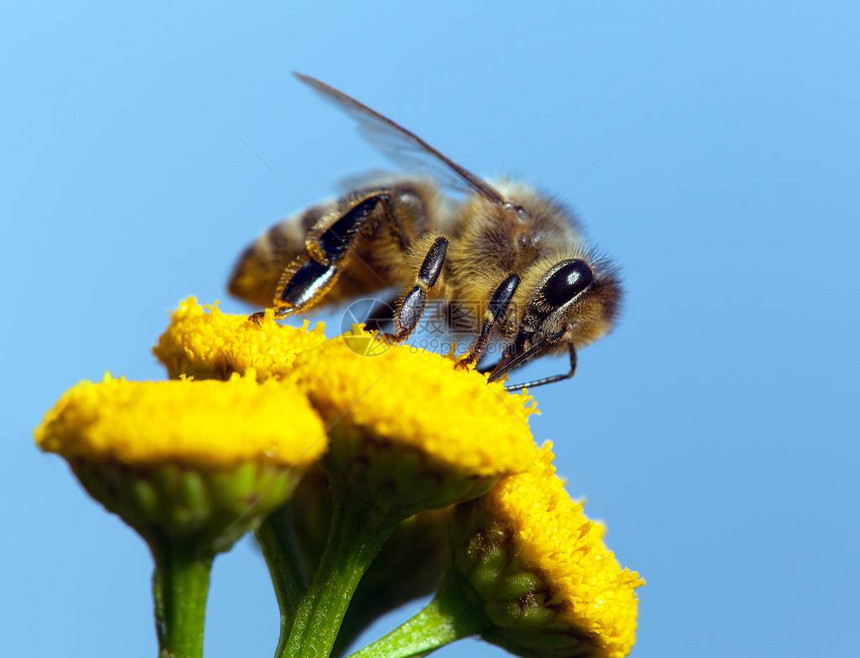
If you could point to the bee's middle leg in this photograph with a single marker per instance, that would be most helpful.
(496, 309)
(410, 309)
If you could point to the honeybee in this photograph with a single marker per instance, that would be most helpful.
(505, 249)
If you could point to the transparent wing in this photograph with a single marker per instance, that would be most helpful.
(371, 178)
(411, 157)
(404, 146)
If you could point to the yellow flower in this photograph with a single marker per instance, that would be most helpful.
(408, 432)
(419, 402)
(207, 344)
(547, 581)
(437, 420)
(203, 423)
(202, 461)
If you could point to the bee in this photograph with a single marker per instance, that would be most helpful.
(512, 257)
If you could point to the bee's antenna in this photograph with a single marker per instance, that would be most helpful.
(582, 175)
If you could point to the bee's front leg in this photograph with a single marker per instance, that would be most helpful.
(496, 309)
(410, 309)
(549, 380)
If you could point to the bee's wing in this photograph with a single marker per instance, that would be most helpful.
(372, 178)
(404, 146)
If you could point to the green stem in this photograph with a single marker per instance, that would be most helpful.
(180, 585)
(353, 541)
(366, 606)
(447, 618)
(275, 536)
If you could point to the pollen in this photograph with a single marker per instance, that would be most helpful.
(205, 343)
(184, 422)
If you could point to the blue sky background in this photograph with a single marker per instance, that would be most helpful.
(716, 429)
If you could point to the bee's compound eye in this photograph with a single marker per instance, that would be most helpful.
(568, 281)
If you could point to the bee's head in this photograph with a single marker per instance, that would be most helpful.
(577, 297)
(571, 301)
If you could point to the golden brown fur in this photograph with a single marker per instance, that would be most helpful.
(486, 244)
(508, 256)
(378, 261)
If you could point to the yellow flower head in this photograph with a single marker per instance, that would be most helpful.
(547, 581)
(386, 397)
(203, 461)
(418, 399)
(412, 419)
(202, 423)
(205, 343)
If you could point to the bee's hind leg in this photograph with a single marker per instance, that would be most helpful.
(410, 309)
(311, 275)
(303, 283)
(496, 309)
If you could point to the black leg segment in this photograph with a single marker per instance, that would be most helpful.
(336, 240)
(496, 309)
(431, 266)
(307, 279)
(306, 283)
(410, 310)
